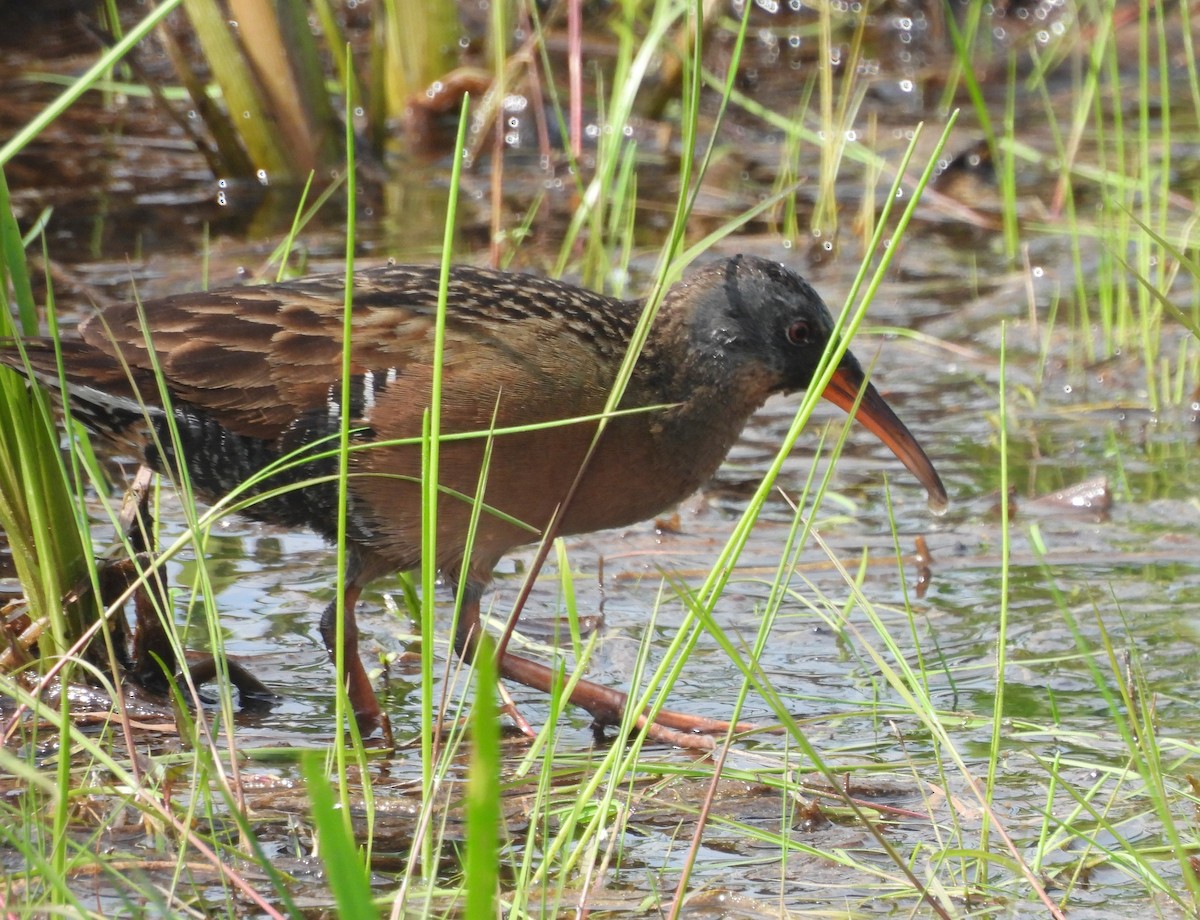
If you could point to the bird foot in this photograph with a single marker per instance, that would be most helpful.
(253, 694)
(679, 729)
(607, 707)
(375, 729)
(508, 707)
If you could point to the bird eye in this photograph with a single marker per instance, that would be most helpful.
(798, 333)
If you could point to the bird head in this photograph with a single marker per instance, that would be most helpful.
(753, 318)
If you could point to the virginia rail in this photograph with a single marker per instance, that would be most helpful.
(253, 375)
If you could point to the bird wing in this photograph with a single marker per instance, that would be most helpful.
(257, 358)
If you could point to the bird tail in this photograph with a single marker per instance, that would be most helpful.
(95, 388)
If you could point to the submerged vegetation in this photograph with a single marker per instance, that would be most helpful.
(987, 714)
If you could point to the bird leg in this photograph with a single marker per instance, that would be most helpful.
(368, 714)
(606, 706)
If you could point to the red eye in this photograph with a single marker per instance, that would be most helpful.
(798, 333)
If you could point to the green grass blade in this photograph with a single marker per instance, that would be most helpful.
(339, 851)
(482, 864)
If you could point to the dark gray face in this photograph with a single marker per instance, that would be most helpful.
(754, 310)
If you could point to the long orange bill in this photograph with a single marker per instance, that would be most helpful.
(877, 416)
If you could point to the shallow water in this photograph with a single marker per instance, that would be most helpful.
(1128, 577)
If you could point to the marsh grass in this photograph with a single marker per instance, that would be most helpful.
(48, 545)
(908, 766)
(276, 119)
(420, 43)
(37, 511)
(1113, 202)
